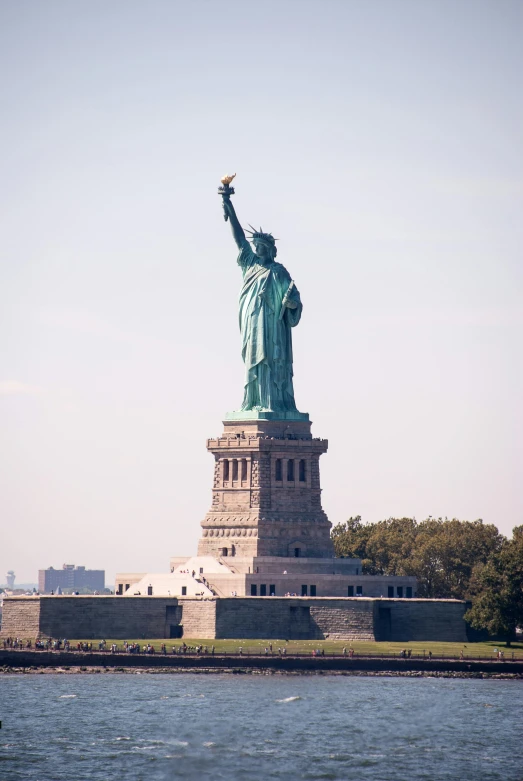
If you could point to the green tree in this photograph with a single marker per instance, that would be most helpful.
(446, 552)
(384, 547)
(441, 554)
(350, 541)
(390, 545)
(498, 586)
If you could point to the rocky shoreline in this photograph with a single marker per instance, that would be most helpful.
(6, 670)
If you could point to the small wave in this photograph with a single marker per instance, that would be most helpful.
(123, 737)
(67, 696)
(208, 744)
(289, 699)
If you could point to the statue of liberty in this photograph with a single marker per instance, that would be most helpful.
(270, 306)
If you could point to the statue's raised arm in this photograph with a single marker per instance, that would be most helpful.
(237, 230)
(228, 210)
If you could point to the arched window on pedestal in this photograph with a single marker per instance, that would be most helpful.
(303, 471)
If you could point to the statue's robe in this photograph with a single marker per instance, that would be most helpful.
(266, 334)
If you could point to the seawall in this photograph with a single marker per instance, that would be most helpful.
(304, 664)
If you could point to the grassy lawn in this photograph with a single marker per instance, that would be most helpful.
(448, 650)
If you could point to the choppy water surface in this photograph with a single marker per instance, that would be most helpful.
(138, 726)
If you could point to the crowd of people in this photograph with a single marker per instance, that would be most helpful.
(268, 651)
(16, 642)
(50, 644)
(135, 648)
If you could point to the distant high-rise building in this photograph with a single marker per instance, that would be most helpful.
(10, 578)
(70, 577)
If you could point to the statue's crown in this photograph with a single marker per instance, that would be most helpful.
(261, 236)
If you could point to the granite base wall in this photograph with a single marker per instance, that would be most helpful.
(199, 618)
(86, 617)
(294, 618)
(440, 620)
(21, 617)
(299, 618)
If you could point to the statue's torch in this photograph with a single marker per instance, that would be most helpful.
(226, 190)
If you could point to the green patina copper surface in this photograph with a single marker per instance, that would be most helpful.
(269, 307)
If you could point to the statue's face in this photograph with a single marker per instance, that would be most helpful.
(262, 250)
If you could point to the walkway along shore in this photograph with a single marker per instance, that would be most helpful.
(24, 659)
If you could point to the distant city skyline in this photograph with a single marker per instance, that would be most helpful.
(380, 141)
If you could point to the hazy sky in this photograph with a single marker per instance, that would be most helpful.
(381, 141)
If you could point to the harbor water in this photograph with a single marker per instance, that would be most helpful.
(137, 726)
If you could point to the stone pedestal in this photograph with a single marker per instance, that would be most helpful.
(266, 497)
